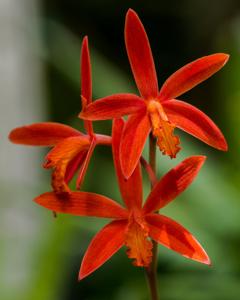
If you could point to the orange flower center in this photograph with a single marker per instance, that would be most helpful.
(137, 241)
(162, 129)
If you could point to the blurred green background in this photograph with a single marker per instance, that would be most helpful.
(39, 64)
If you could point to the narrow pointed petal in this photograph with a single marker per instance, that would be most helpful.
(84, 167)
(191, 75)
(195, 122)
(140, 56)
(86, 82)
(86, 76)
(134, 136)
(103, 246)
(42, 134)
(173, 183)
(74, 164)
(82, 204)
(175, 237)
(131, 189)
(113, 106)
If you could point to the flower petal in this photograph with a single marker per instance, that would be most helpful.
(140, 56)
(113, 106)
(173, 183)
(84, 167)
(66, 150)
(105, 243)
(195, 122)
(42, 134)
(86, 81)
(86, 76)
(151, 174)
(74, 164)
(62, 155)
(82, 204)
(131, 189)
(175, 237)
(191, 75)
(133, 139)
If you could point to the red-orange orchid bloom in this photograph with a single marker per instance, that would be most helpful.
(72, 149)
(156, 110)
(135, 224)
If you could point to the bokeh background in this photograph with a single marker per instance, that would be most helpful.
(39, 70)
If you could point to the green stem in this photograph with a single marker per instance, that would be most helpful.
(151, 271)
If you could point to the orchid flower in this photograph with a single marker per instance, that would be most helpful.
(157, 111)
(134, 225)
(72, 150)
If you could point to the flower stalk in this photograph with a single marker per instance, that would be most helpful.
(151, 270)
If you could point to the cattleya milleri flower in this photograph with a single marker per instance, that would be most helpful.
(134, 225)
(72, 150)
(157, 111)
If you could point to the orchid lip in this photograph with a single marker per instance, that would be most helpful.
(163, 129)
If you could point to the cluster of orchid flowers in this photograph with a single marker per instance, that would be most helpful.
(136, 224)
